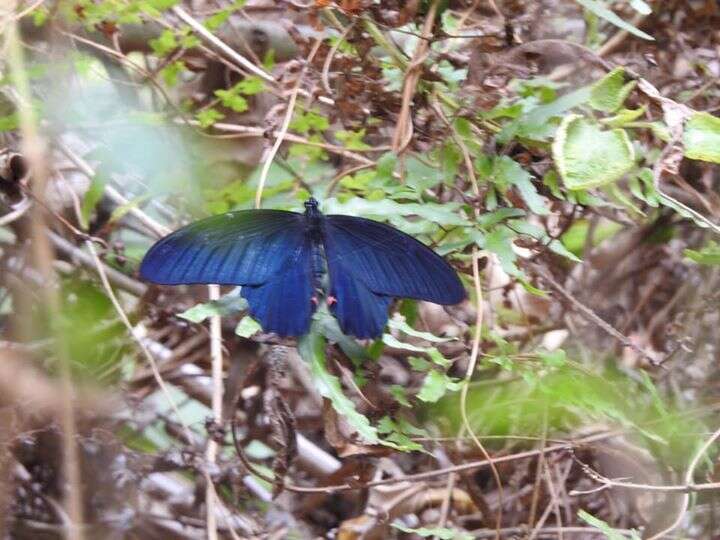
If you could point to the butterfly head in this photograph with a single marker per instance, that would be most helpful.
(311, 208)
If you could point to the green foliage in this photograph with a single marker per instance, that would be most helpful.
(207, 117)
(610, 92)
(312, 349)
(587, 156)
(709, 255)
(609, 532)
(226, 305)
(436, 385)
(247, 327)
(600, 9)
(443, 533)
(702, 137)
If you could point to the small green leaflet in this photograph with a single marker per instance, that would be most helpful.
(707, 256)
(607, 530)
(443, 533)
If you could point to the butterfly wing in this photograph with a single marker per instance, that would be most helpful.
(370, 263)
(265, 251)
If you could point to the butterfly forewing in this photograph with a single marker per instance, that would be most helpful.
(266, 251)
(235, 248)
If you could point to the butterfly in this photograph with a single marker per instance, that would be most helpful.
(283, 260)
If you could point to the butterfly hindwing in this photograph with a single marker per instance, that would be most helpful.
(283, 303)
(370, 263)
(388, 261)
(359, 311)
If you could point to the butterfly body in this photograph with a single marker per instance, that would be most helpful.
(283, 259)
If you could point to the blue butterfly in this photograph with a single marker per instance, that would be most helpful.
(283, 259)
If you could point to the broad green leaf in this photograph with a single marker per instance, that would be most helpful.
(702, 137)
(610, 92)
(435, 385)
(599, 9)
(227, 304)
(312, 349)
(247, 327)
(707, 256)
(587, 156)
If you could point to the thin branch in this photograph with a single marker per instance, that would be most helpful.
(221, 45)
(285, 125)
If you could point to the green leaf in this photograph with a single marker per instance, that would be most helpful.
(397, 433)
(247, 327)
(499, 241)
(164, 44)
(304, 123)
(392, 341)
(600, 10)
(119, 212)
(707, 256)
(398, 323)
(312, 349)
(227, 304)
(702, 137)
(435, 385)
(607, 530)
(556, 358)
(252, 85)
(587, 156)
(208, 117)
(352, 140)
(171, 72)
(507, 171)
(610, 92)
(215, 21)
(443, 533)
(90, 200)
(231, 100)
(9, 122)
(536, 123)
(624, 117)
